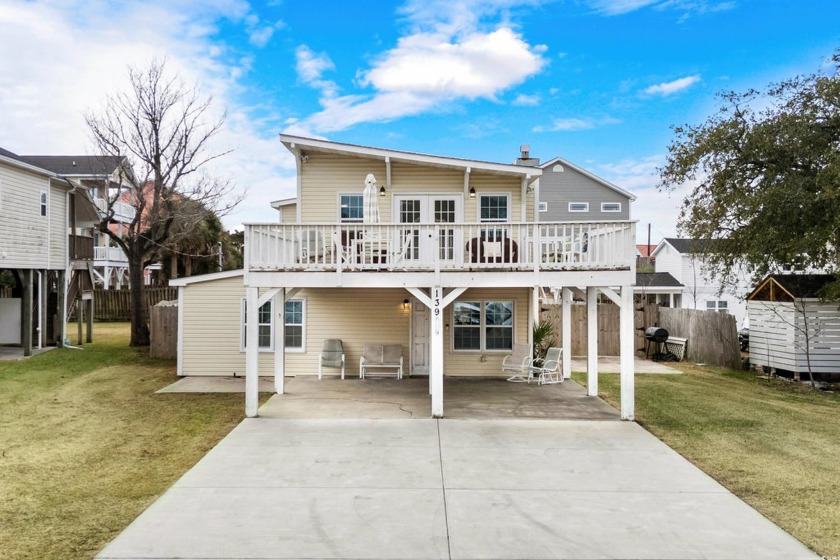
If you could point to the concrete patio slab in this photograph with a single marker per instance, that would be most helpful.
(465, 489)
(611, 364)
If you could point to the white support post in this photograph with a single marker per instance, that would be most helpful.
(627, 354)
(252, 356)
(592, 341)
(280, 341)
(567, 332)
(534, 313)
(436, 351)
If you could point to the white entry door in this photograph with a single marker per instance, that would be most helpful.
(419, 338)
(427, 241)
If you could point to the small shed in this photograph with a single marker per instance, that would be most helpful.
(791, 327)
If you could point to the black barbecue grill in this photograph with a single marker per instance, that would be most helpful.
(655, 338)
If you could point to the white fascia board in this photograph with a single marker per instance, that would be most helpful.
(28, 167)
(659, 248)
(206, 277)
(297, 143)
(277, 204)
(589, 174)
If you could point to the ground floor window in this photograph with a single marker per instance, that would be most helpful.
(720, 306)
(482, 325)
(294, 325)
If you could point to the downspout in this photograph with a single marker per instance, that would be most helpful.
(40, 307)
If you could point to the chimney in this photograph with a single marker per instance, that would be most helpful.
(525, 157)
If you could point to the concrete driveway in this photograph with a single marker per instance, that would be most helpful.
(523, 488)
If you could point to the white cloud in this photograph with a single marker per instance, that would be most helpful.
(669, 88)
(80, 55)
(620, 7)
(523, 100)
(445, 58)
(575, 123)
(311, 67)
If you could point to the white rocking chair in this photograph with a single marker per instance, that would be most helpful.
(518, 362)
(551, 370)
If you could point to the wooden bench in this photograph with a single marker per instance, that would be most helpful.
(381, 356)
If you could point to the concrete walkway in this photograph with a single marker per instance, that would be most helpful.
(420, 488)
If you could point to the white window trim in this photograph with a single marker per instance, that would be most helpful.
(338, 207)
(585, 209)
(44, 204)
(603, 209)
(543, 207)
(243, 326)
(482, 349)
(302, 349)
(478, 207)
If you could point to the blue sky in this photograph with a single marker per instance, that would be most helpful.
(597, 82)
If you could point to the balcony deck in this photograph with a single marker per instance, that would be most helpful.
(441, 247)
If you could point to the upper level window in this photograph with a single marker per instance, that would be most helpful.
(351, 208)
(543, 207)
(493, 208)
(578, 207)
(610, 207)
(43, 203)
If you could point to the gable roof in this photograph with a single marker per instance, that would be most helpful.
(77, 165)
(298, 144)
(582, 171)
(656, 279)
(18, 161)
(688, 246)
(645, 250)
(787, 287)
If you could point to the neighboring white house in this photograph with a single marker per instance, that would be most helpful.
(791, 329)
(102, 175)
(443, 256)
(658, 287)
(684, 260)
(45, 246)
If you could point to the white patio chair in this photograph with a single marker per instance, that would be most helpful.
(518, 362)
(331, 356)
(551, 370)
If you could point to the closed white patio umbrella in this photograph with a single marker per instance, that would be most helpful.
(371, 201)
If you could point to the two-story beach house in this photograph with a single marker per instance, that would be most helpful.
(442, 256)
(45, 248)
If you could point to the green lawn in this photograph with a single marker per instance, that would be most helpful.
(86, 444)
(775, 445)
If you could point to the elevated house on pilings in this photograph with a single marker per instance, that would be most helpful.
(443, 256)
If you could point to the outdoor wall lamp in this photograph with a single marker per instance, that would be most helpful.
(382, 190)
(406, 303)
(472, 192)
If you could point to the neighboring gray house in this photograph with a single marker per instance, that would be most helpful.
(569, 193)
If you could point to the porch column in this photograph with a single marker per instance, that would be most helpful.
(627, 353)
(567, 332)
(436, 351)
(279, 306)
(533, 314)
(26, 322)
(252, 356)
(592, 341)
(61, 282)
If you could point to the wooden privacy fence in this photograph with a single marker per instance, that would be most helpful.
(163, 329)
(115, 305)
(712, 336)
(608, 327)
(5, 292)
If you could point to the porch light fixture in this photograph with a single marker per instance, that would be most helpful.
(472, 192)
(382, 190)
(406, 304)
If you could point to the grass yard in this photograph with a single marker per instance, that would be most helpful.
(86, 444)
(775, 445)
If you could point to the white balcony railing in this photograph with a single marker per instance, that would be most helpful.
(109, 254)
(441, 246)
(122, 212)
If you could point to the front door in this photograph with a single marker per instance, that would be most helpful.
(419, 338)
(424, 241)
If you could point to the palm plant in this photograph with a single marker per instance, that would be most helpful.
(544, 339)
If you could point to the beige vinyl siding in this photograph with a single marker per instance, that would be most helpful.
(288, 214)
(212, 329)
(325, 176)
(24, 233)
(57, 211)
(467, 363)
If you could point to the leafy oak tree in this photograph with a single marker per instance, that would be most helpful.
(765, 177)
(164, 128)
